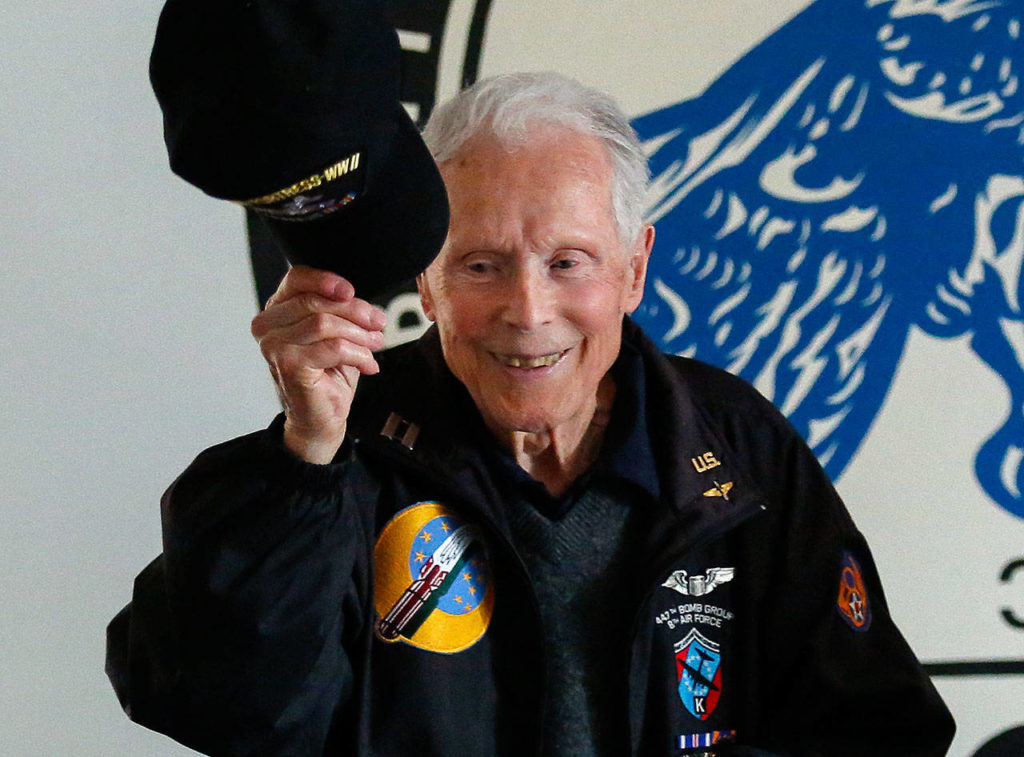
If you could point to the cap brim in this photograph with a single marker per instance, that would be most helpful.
(386, 236)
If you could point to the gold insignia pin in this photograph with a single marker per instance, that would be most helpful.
(720, 490)
(705, 462)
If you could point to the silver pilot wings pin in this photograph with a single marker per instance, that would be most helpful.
(698, 586)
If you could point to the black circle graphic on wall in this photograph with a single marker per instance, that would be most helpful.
(1008, 744)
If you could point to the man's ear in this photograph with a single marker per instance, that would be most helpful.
(426, 298)
(639, 257)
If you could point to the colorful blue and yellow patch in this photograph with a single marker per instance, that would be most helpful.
(432, 585)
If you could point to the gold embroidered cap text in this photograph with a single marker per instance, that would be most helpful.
(336, 171)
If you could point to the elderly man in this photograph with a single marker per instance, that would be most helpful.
(527, 533)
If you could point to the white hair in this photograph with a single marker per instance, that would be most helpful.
(508, 106)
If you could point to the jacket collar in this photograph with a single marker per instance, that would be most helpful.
(416, 411)
(703, 486)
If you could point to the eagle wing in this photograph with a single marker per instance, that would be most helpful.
(810, 205)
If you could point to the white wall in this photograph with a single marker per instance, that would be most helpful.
(125, 352)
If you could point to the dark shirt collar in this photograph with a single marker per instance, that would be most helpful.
(625, 452)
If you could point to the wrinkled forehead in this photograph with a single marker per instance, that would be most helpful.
(556, 178)
(547, 156)
(550, 145)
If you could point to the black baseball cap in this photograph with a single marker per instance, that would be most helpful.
(291, 108)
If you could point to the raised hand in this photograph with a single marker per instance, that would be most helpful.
(317, 337)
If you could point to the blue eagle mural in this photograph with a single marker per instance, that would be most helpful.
(857, 174)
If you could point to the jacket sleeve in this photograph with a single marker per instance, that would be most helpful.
(238, 636)
(840, 678)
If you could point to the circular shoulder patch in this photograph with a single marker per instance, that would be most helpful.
(853, 596)
(432, 585)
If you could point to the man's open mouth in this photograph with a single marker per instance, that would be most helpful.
(519, 361)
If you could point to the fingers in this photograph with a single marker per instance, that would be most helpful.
(318, 340)
(291, 359)
(305, 291)
(314, 322)
(320, 312)
(302, 278)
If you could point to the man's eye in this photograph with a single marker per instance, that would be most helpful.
(564, 264)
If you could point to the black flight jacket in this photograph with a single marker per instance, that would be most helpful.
(376, 606)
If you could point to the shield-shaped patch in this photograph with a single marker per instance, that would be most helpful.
(699, 672)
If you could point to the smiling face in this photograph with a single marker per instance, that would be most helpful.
(530, 288)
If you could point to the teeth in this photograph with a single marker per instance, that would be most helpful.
(533, 362)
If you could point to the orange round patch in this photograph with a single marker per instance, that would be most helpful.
(853, 595)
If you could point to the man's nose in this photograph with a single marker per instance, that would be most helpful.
(529, 299)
